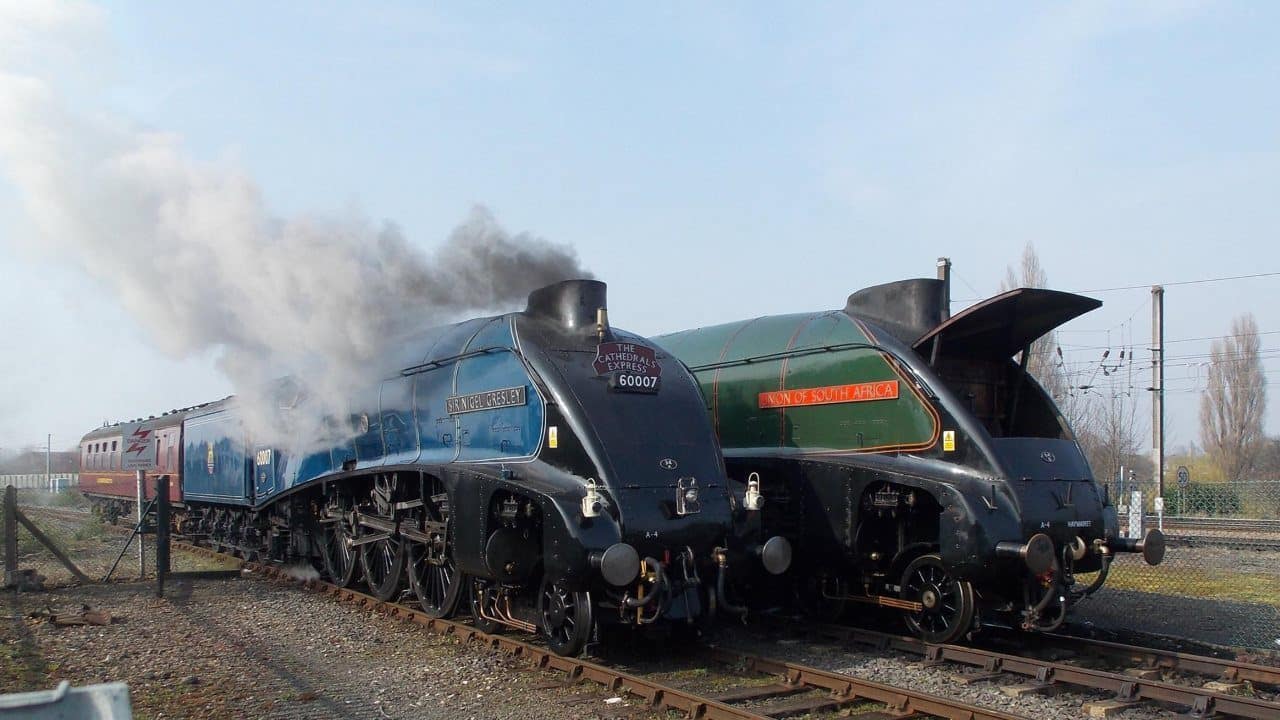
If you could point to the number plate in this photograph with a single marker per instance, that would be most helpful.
(630, 382)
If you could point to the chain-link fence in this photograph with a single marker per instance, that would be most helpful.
(47, 525)
(1219, 582)
(1220, 579)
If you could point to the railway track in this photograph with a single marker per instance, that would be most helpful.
(1260, 525)
(795, 689)
(772, 688)
(1258, 534)
(1143, 679)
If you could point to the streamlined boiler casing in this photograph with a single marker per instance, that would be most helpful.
(909, 459)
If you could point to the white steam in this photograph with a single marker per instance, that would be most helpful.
(191, 250)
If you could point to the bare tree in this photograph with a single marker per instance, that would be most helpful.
(1111, 435)
(1232, 407)
(1045, 361)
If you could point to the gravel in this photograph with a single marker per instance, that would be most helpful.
(908, 671)
(257, 648)
(252, 648)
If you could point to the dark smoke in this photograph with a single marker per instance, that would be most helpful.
(191, 250)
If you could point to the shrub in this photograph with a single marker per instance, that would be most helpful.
(1212, 500)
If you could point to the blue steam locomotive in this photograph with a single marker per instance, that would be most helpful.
(556, 473)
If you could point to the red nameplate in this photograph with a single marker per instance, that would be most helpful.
(831, 394)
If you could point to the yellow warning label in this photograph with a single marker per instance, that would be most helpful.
(948, 440)
(104, 481)
(553, 436)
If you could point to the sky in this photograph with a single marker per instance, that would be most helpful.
(709, 161)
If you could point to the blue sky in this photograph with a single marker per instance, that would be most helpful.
(709, 161)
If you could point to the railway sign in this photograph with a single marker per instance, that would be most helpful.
(139, 446)
(1184, 476)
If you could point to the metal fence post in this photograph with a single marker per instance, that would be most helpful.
(142, 546)
(10, 536)
(162, 532)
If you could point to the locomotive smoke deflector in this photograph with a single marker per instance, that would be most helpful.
(997, 328)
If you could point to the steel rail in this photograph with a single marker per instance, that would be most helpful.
(836, 689)
(1155, 659)
(845, 688)
(1210, 523)
(1198, 701)
(1238, 542)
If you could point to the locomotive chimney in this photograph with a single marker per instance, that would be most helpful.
(572, 303)
(906, 308)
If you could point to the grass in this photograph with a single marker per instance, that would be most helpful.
(22, 667)
(191, 561)
(43, 498)
(93, 530)
(1202, 582)
(67, 499)
(28, 545)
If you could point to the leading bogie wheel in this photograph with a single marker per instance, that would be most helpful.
(947, 603)
(564, 617)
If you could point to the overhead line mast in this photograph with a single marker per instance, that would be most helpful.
(1157, 385)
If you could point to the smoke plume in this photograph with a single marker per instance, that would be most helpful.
(192, 251)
